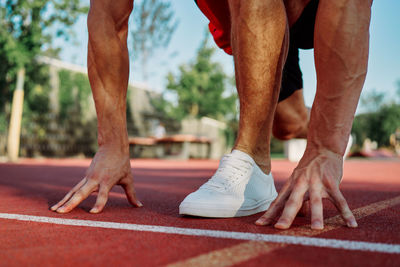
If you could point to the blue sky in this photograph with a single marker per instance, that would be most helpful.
(384, 59)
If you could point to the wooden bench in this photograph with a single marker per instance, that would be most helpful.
(183, 139)
(140, 142)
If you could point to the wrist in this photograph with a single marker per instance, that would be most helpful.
(115, 148)
(320, 155)
(328, 132)
(117, 140)
(114, 135)
(327, 143)
(318, 149)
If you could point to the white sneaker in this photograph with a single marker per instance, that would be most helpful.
(238, 188)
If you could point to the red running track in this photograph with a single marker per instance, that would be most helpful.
(32, 186)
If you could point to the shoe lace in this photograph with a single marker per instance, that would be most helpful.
(230, 171)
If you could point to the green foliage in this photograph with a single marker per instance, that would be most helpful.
(71, 131)
(389, 117)
(379, 123)
(27, 28)
(23, 33)
(36, 90)
(153, 27)
(3, 124)
(74, 93)
(201, 89)
(377, 126)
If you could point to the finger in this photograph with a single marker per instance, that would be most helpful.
(276, 206)
(341, 204)
(130, 192)
(68, 196)
(317, 216)
(78, 197)
(101, 200)
(292, 206)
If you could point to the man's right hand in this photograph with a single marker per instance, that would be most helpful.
(110, 166)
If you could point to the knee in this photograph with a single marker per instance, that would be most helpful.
(290, 126)
(290, 131)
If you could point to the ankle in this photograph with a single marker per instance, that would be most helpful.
(262, 159)
(264, 166)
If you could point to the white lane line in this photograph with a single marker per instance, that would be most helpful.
(292, 240)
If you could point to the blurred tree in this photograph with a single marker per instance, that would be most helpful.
(379, 122)
(153, 27)
(24, 30)
(201, 88)
(27, 28)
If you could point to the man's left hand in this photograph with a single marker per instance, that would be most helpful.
(316, 177)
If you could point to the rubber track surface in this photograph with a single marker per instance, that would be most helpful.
(32, 186)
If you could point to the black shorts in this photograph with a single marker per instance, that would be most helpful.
(301, 37)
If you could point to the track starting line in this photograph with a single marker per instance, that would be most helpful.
(283, 239)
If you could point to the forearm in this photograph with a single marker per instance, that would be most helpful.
(341, 55)
(108, 70)
(111, 116)
(331, 121)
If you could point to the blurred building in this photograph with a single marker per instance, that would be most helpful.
(69, 126)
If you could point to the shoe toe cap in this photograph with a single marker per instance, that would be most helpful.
(207, 198)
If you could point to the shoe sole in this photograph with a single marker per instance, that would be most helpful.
(224, 213)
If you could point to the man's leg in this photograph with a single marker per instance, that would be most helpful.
(291, 114)
(260, 43)
(291, 117)
(108, 69)
(242, 185)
